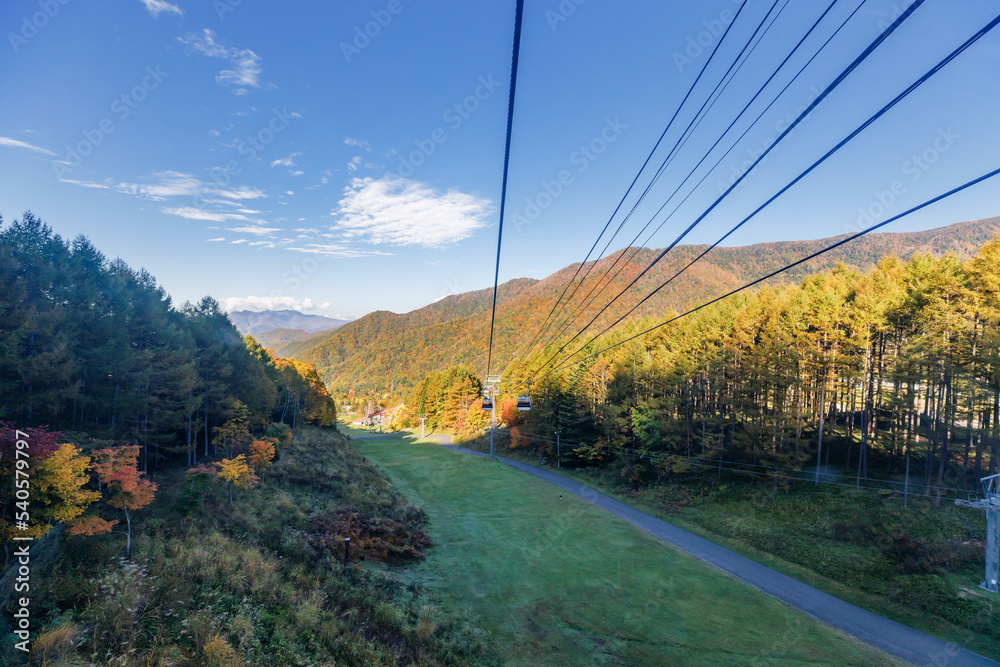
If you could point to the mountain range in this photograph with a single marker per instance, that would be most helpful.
(385, 349)
(254, 323)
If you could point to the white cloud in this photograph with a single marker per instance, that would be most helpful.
(221, 238)
(246, 64)
(191, 213)
(286, 161)
(255, 229)
(404, 212)
(259, 303)
(154, 7)
(166, 184)
(355, 161)
(297, 173)
(335, 250)
(14, 143)
(85, 184)
(243, 193)
(354, 142)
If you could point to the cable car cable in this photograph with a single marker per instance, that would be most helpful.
(885, 109)
(587, 300)
(819, 99)
(639, 173)
(519, 11)
(785, 268)
(693, 124)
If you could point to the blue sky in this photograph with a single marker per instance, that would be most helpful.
(276, 155)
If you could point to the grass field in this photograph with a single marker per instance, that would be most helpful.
(559, 582)
(920, 566)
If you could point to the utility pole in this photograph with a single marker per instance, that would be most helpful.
(423, 418)
(558, 451)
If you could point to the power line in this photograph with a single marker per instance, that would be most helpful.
(885, 109)
(519, 11)
(587, 300)
(636, 179)
(830, 247)
(693, 124)
(819, 99)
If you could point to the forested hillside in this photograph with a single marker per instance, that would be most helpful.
(93, 345)
(384, 349)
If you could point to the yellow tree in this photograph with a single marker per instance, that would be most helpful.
(236, 472)
(60, 483)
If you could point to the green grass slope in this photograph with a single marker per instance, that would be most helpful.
(559, 582)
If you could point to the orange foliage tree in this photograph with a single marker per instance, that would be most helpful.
(117, 468)
(516, 439)
(509, 413)
(261, 454)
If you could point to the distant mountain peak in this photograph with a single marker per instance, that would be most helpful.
(257, 322)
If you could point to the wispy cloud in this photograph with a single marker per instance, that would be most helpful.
(155, 7)
(86, 184)
(259, 303)
(286, 161)
(246, 64)
(255, 229)
(221, 238)
(192, 213)
(14, 143)
(166, 184)
(354, 142)
(336, 250)
(404, 212)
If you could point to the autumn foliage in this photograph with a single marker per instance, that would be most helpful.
(237, 472)
(117, 469)
(381, 539)
(261, 454)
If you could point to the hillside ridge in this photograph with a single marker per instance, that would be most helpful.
(385, 349)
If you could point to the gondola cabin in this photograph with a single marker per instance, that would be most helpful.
(524, 403)
(487, 403)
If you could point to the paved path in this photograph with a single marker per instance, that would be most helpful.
(890, 636)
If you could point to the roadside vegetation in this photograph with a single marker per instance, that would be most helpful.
(260, 581)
